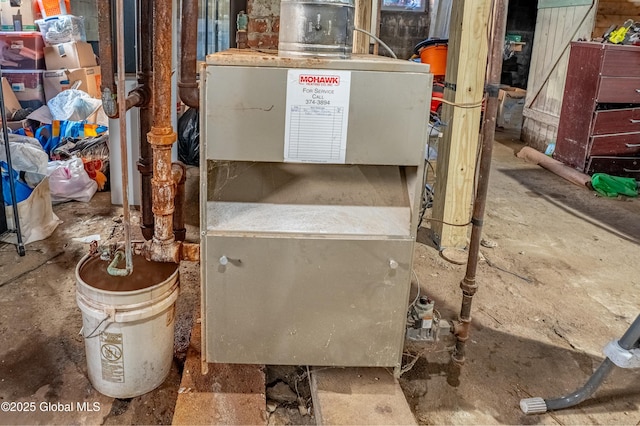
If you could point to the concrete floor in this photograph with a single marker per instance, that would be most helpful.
(561, 282)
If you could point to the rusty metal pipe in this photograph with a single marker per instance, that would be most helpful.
(179, 177)
(145, 76)
(108, 81)
(137, 96)
(468, 284)
(188, 251)
(162, 247)
(188, 86)
(105, 27)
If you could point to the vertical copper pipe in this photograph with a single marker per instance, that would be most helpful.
(161, 137)
(145, 77)
(468, 284)
(188, 43)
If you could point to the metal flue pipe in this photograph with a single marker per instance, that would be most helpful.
(188, 86)
(468, 284)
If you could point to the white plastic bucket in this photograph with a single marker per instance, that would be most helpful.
(128, 335)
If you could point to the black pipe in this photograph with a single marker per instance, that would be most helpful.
(12, 184)
(188, 86)
(145, 76)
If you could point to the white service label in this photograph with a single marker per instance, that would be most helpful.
(317, 116)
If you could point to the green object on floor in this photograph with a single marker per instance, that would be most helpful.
(612, 186)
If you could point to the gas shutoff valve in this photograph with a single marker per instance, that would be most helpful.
(421, 324)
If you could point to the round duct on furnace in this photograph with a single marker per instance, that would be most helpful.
(316, 28)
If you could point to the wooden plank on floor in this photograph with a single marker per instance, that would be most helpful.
(229, 394)
(367, 396)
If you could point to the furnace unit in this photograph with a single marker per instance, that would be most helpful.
(311, 178)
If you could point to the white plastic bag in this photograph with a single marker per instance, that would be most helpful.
(27, 154)
(73, 105)
(37, 220)
(69, 181)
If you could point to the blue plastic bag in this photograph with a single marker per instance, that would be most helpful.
(22, 189)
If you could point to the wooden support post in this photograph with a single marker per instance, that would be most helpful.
(362, 20)
(457, 152)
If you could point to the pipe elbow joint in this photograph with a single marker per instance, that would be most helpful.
(162, 251)
(189, 94)
(461, 330)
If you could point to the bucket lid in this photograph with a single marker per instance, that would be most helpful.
(430, 42)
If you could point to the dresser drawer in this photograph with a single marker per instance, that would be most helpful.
(619, 90)
(616, 121)
(625, 144)
(616, 166)
(621, 62)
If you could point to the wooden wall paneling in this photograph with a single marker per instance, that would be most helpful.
(555, 29)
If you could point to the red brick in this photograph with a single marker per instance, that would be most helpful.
(263, 41)
(268, 41)
(258, 25)
(252, 42)
(275, 26)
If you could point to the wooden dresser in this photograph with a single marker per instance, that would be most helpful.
(599, 127)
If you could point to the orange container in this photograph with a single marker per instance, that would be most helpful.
(436, 57)
(50, 8)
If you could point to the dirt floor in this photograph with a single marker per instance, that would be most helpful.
(561, 281)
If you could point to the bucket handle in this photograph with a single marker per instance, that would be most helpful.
(110, 315)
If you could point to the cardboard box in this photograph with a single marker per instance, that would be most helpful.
(11, 103)
(76, 54)
(510, 107)
(56, 81)
(27, 86)
(22, 50)
(18, 18)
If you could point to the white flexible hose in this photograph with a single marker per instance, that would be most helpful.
(382, 43)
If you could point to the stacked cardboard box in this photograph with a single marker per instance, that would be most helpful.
(70, 60)
(37, 65)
